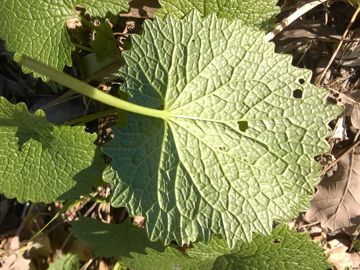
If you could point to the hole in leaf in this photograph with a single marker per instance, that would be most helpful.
(331, 100)
(243, 125)
(297, 93)
(276, 241)
(301, 81)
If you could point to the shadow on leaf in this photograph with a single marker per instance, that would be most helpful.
(87, 180)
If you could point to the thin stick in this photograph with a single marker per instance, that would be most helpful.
(294, 16)
(353, 18)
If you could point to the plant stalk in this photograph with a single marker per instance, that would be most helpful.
(86, 89)
(87, 118)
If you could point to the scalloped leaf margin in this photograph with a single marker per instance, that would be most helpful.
(238, 148)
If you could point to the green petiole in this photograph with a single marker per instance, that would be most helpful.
(87, 118)
(86, 89)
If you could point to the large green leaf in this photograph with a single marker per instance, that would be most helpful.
(113, 240)
(38, 28)
(282, 250)
(39, 162)
(237, 148)
(259, 14)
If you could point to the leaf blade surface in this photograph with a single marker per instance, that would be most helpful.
(41, 162)
(283, 249)
(237, 150)
(112, 240)
(68, 261)
(258, 14)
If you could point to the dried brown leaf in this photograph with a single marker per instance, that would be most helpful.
(14, 262)
(12, 258)
(336, 203)
(339, 257)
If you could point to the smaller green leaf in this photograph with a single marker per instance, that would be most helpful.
(67, 262)
(283, 249)
(120, 266)
(41, 162)
(259, 14)
(38, 28)
(113, 240)
(171, 258)
(104, 44)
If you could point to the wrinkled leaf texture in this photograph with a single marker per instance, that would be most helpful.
(282, 250)
(255, 13)
(237, 150)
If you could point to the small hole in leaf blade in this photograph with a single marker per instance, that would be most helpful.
(301, 81)
(297, 93)
(276, 241)
(243, 125)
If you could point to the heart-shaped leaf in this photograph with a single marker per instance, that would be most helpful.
(236, 147)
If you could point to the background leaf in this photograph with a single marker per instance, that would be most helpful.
(260, 14)
(336, 202)
(38, 28)
(104, 45)
(171, 258)
(40, 161)
(283, 249)
(67, 262)
(113, 240)
(237, 150)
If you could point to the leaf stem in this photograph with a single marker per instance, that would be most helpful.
(86, 89)
(82, 47)
(87, 118)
